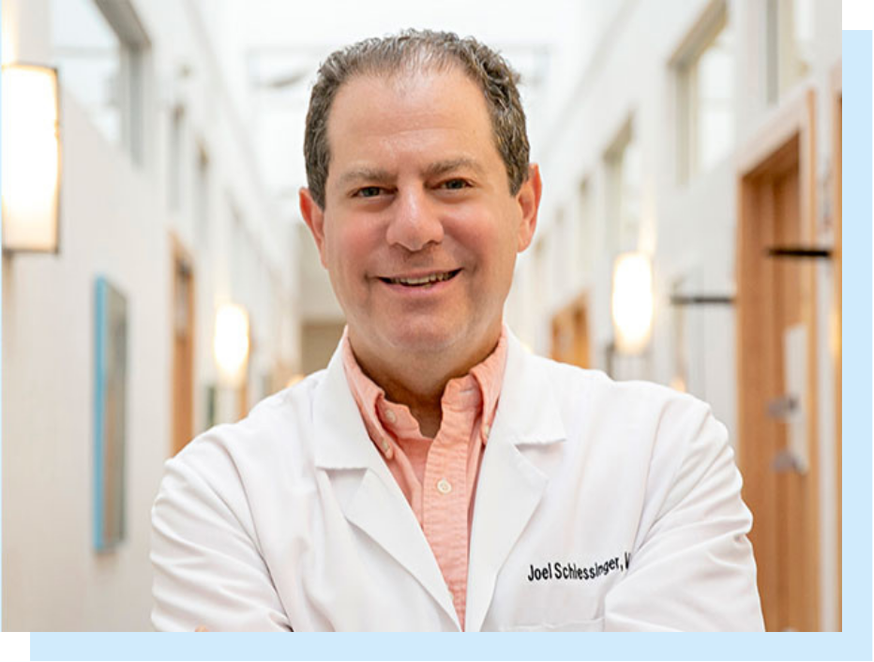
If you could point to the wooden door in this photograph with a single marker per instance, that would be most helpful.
(244, 389)
(182, 318)
(570, 334)
(777, 396)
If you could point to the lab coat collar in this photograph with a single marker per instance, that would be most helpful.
(509, 487)
(338, 423)
(527, 412)
(366, 491)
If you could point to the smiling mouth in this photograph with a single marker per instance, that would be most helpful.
(422, 281)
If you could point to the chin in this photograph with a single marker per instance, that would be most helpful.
(424, 338)
(435, 336)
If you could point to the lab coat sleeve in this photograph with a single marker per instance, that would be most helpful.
(693, 567)
(207, 567)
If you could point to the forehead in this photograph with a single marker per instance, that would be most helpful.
(430, 108)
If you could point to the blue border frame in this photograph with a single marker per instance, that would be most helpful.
(853, 643)
(100, 288)
(856, 335)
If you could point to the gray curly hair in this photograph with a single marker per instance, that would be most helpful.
(414, 51)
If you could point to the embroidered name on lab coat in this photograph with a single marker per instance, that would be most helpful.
(558, 570)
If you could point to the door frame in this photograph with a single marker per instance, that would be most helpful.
(181, 433)
(787, 136)
(565, 317)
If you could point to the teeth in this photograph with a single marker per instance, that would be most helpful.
(425, 280)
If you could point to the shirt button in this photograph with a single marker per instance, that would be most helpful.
(390, 416)
(444, 486)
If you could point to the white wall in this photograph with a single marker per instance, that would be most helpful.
(115, 222)
(52, 578)
(689, 229)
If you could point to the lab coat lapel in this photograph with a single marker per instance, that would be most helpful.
(367, 492)
(510, 486)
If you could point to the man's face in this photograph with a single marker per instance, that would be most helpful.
(419, 232)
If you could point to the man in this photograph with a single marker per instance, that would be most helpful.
(436, 476)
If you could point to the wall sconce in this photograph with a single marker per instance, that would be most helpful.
(231, 343)
(632, 302)
(31, 158)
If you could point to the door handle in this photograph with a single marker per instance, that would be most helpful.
(789, 408)
(782, 407)
(787, 461)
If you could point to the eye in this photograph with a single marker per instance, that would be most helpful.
(455, 184)
(368, 192)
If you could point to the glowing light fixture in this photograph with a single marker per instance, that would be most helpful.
(31, 158)
(231, 342)
(632, 303)
(8, 43)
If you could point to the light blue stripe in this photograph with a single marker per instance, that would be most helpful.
(485, 646)
(853, 643)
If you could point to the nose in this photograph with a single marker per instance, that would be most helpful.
(415, 222)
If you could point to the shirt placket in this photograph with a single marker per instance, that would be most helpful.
(445, 502)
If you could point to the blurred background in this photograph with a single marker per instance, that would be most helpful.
(158, 280)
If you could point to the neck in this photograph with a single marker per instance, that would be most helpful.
(417, 381)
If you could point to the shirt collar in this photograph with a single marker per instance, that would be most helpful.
(384, 419)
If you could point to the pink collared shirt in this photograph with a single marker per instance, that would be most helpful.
(437, 476)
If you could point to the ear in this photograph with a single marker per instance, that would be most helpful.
(528, 199)
(314, 217)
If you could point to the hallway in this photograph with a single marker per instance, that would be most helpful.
(689, 234)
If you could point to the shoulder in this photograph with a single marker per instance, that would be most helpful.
(628, 404)
(643, 434)
(265, 441)
(640, 427)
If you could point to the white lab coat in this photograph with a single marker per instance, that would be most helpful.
(291, 518)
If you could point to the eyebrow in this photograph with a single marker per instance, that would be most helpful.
(443, 167)
(369, 174)
(435, 169)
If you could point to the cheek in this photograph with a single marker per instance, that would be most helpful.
(490, 237)
(348, 247)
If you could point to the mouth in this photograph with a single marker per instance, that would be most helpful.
(423, 281)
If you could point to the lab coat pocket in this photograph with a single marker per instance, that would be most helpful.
(594, 625)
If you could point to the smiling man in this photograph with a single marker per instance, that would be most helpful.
(419, 224)
(436, 476)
